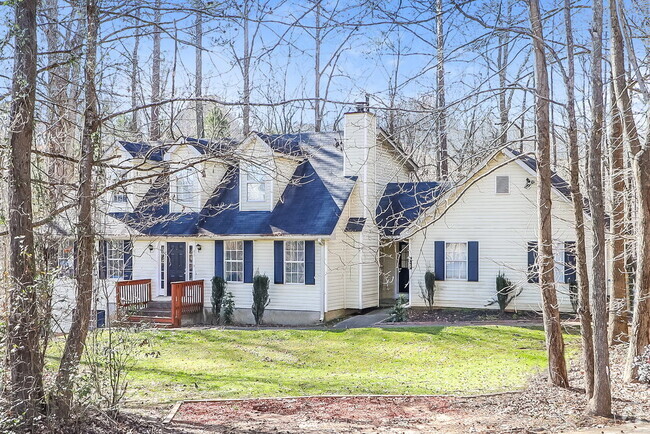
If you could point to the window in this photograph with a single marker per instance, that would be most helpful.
(234, 261)
(190, 262)
(65, 259)
(255, 184)
(503, 184)
(456, 261)
(119, 195)
(163, 265)
(115, 259)
(294, 262)
(558, 259)
(185, 188)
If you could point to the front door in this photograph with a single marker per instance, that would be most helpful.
(403, 267)
(175, 264)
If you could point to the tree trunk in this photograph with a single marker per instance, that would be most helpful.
(554, 339)
(443, 158)
(76, 339)
(317, 71)
(601, 401)
(154, 128)
(198, 66)
(24, 360)
(584, 311)
(640, 330)
(618, 302)
(133, 126)
(246, 68)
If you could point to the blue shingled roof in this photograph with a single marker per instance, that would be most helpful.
(213, 146)
(311, 204)
(355, 224)
(144, 150)
(403, 202)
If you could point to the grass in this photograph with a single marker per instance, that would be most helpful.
(194, 364)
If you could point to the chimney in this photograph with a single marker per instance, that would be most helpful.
(359, 140)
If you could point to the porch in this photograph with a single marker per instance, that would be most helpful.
(135, 303)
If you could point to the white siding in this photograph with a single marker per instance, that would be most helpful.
(502, 224)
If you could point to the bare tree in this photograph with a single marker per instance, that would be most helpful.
(443, 155)
(135, 66)
(198, 70)
(554, 340)
(23, 330)
(85, 240)
(154, 127)
(601, 401)
(584, 310)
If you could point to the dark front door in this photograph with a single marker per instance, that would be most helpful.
(403, 267)
(175, 264)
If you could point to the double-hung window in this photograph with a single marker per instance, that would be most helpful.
(115, 259)
(66, 259)
(456, 261)
(234, 261)
(255, 184)
(185, 188)
(294, 262)
(119, 195)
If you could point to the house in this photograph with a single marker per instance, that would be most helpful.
(338, 221)
(298, 208)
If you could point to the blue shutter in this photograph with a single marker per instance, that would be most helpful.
(218, 258)
(533, 273)
(101, 259)
(440, 260)
(472, 261)
(570, 262)
(310, 262)
(128, 259)
(278, 259)
(248, 261)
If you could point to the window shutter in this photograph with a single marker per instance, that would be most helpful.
(440, 260)
(533, 273)
(310, 262)
(472, 261)
(101, 259)
(278, 269)
(570, 262)
(248, 261)
(128, 259)
(218, 258)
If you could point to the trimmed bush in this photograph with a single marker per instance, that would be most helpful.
(227, 308)
(399, 312)
(428, 291)
(218, 291)
(260, 297)
(506, 292)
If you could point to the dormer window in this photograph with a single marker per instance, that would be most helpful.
(255, 184)
(185, 194)
(119, 194)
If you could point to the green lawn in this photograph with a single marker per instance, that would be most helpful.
(249, 363)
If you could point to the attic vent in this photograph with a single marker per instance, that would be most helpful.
(503, 185)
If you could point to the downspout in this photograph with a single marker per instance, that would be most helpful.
(323, 263)
(365, 204)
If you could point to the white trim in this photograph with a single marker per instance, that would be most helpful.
(225, 261)
(304, 263)
(466, 279)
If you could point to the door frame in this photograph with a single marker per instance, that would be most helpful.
(167, 259)
(398, 268)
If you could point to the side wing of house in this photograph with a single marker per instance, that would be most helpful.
(491, 229)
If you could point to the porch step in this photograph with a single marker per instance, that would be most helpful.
(160, 304)
(155, 320)
(155, 312)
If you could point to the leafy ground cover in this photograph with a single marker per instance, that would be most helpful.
(216, 363)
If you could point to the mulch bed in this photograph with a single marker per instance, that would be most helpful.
(422, 315)
(539, 408)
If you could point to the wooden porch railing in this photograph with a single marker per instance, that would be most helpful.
(132, 295)
(187, 297)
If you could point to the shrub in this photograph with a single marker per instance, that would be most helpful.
(506, 292)
(228, 308)
(428, 291)
(218, 291)
(573, 295)
(260, 297)
(642, 363)
(399, 312)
